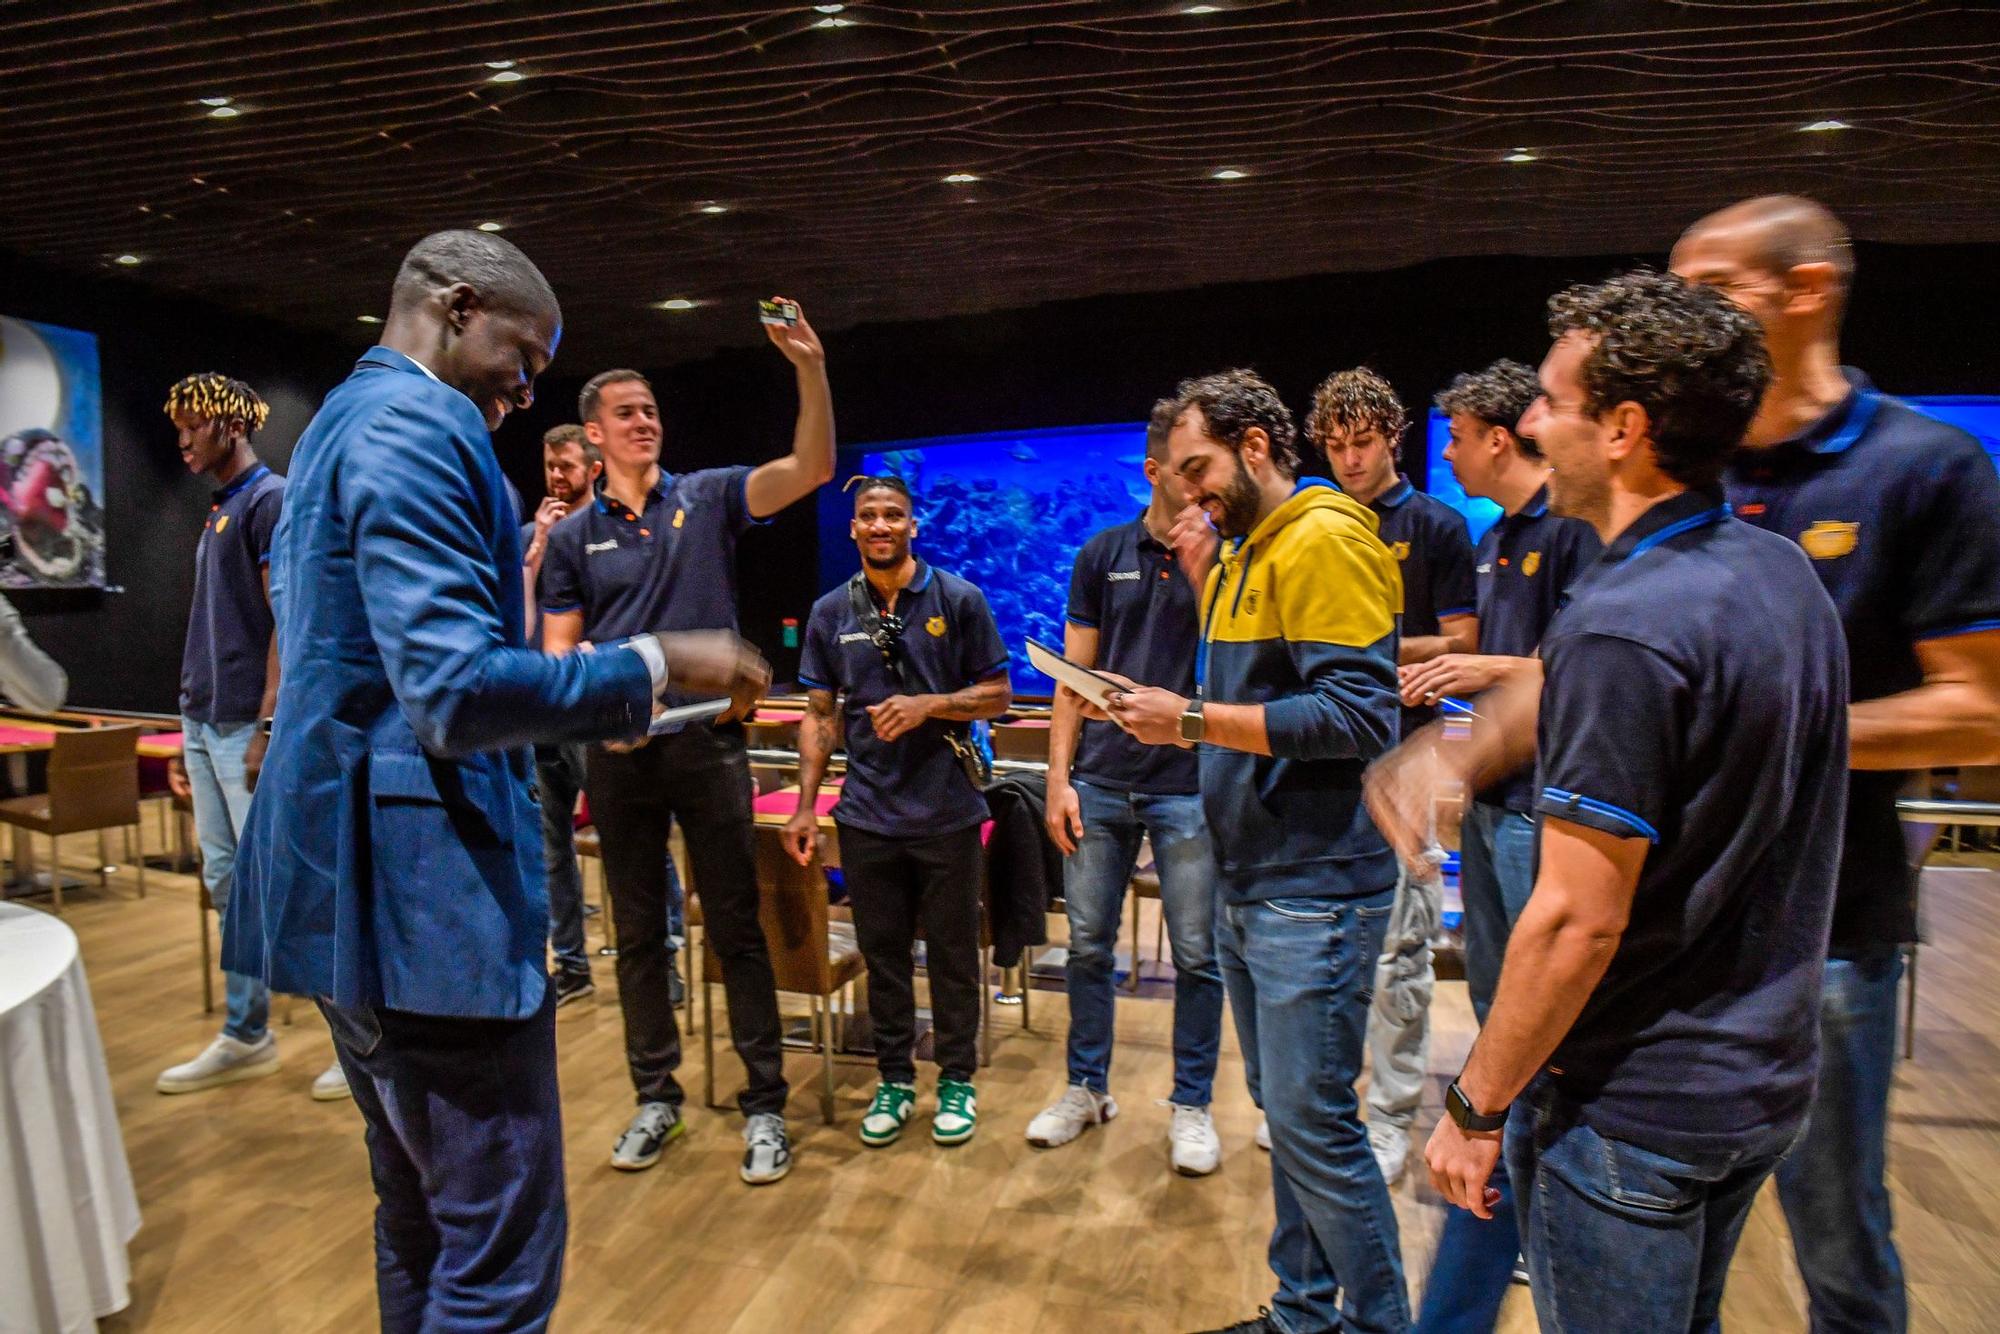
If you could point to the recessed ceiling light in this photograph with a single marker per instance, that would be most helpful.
(1202, 9)
(676, 303)
(225, 113)
(960, 178)
(215, 101)
(1822, 126)
(369, 319)
(128, 260)
(492, 226)
(1227, 174)
(1519, 155)
(713, 209)
(499, 64)
(507, 76)
(829, 9)
(834, 23)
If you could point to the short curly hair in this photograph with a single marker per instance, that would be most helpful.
(1500, 395)
(1232, 402)
(1356, 400)
(1692, 358)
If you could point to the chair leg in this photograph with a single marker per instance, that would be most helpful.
(687, 964)
(1910, 1002)
(707, 1036)
(1027, 986)
(823, 1034)
(985, 1005)
(1132, 981)
(207, 960)
(104, 858)
(137, 855)
(55, 873)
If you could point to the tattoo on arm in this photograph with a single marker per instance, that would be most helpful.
(981, 699)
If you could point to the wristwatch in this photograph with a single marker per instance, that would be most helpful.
(1192, 727)
(1459, 1109)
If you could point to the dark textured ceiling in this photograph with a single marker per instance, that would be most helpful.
(1367, 135)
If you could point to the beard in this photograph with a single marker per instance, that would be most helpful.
(1239, 504)
(890, 562)
(1577, 496)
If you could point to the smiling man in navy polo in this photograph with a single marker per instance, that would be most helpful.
(657, 551)
(1900, 515)
(1656, 1017)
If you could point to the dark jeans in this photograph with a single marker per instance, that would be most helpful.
(559, 777)
(700, 777)
(895, 885)
(1831, 1186)
(464, 1132)
(1623, 1237)
(1300, 974)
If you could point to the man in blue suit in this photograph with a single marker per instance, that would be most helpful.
(392, 863)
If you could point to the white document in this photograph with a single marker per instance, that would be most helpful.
(673, 720)
(1082, 680)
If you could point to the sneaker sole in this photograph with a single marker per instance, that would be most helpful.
(641, 1164)
(233, 1075)
(1110, 1114)
(569, 997)
(777, 1176)
(1196, 1172)
(342, 1096)
(881, 1141)
(948, 1140)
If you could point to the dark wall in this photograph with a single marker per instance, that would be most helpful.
(122, 648)
(1921, 322)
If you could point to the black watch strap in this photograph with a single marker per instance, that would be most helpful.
(1462, 1114)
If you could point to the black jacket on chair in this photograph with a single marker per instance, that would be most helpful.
(1023, 868)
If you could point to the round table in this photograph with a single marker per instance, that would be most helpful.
(67, 1208)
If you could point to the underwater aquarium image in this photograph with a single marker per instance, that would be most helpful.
(1006, 510)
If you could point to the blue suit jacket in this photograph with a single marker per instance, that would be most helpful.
(393, 852)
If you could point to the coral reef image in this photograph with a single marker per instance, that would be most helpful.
(1007, 512)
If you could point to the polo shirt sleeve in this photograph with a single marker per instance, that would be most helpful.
(1086, 585)
(1453, 592)
(980, 651)
(1614, 713)
(728, 487)
(560, 586)
(819, 667)
(1955, 578)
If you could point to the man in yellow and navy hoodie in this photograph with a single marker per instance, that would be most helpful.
(1295, 694)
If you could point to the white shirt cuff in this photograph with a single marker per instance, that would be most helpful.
(648, 648)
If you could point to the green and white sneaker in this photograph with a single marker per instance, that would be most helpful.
(893, 1106)
(957, 1114)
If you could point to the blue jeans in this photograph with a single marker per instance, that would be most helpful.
(464, 1132)
(1623, 1237)
(1094, 880)
(213, 754)
(1831, 1186)
(1474, 1261)
(1300, 973)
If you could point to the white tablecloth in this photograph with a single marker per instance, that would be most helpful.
(67, 1208)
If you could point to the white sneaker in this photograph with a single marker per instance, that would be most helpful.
(224, 1061)
(331, 1086)
(1196, 1148)
(1264, 1134)
(1066, 1118)
(1391, 1145)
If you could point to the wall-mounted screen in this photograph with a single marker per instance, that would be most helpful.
(51, 457)
(1007, 511)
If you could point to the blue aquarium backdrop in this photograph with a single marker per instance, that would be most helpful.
(1006, 510)
(1978, 414)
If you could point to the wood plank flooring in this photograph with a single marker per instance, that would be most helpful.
(257, 1202)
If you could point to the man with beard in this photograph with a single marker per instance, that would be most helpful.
(1295, 693)
(914, 655)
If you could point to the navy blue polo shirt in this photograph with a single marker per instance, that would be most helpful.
(229, 624)
(914, 786)
(1900, 515)
(1433, 546)
(1127, 586)
(1696, 696)
(1525, 564)
(672, 567)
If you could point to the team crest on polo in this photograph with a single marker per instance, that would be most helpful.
(1830, 539)
(936, 626)
(221, 523)
(1531, 562)
(680, 517)
(1400, 550)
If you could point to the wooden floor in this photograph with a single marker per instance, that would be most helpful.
(257, 1203)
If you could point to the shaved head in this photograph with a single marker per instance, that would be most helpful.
(1779, 233)
(496, 269)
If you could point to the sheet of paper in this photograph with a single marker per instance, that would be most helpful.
(673, 720)
(1082, 680)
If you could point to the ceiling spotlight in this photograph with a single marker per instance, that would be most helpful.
(127, 260)
(507, 76)
(1519, 155)
(829, 9)
(960, 178)
(492, 226)
(1202, 9)
(215, 101)
(834, 23)
(1227, 174)
(676, 303)
(713, 209)
(225, 113)
(369, 319)
(1822, 126)
(499, 64)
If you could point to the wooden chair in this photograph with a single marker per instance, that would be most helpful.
(810, 954)
(1012, 741)
(93, 786)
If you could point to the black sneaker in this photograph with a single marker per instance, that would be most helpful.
(572, 987)
(1261, 1323)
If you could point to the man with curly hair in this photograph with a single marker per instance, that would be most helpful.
(1295, 692)
(1652, 1048)
(1358, 423)
(1896, 511)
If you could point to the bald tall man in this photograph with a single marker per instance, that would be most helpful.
(1901, 517)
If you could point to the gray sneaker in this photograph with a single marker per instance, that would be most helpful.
(223, 1061)
(767, 1153)
(654, 1126)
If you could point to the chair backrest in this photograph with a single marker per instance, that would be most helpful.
(792, 905)
(94, 779)
(1012, 741)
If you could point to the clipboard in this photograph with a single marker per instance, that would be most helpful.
(674, 719)
(1082, 680)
